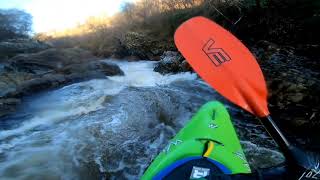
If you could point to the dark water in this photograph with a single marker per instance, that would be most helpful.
(112, 128)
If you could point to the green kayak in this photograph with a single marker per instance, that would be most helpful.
(207, 144)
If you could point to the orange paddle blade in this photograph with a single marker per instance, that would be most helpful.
(223, 62)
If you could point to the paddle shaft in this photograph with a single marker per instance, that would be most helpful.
(275, 133)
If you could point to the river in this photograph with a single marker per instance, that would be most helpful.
(112, 128)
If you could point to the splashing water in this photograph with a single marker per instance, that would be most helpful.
(110, 128)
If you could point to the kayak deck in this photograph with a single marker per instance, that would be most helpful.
(210, 135)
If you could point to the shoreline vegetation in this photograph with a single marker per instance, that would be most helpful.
(145, 29)
(282, 34)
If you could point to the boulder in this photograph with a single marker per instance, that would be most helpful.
(25, 67)
(106, 68)
(15, 84)
(50, 81)
(10, 80)
(172, 62)
(12, 47)
(48, 60)
(8, 105)
(185, 66)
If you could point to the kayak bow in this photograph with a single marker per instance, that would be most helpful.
(208, 137)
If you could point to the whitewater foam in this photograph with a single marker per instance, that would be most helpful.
(90, 127)
(141, 74)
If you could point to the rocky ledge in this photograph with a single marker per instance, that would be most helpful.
(29, 73)
(10, 48)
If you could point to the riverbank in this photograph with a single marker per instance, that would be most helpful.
(43, 69)
(292, 75)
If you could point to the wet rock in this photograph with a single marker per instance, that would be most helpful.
(297, 97)
(9, 80)
(12, 47)
(50, 81)
(48, 60)
(185, 66)
(107, 68)
(293, 84)
(30, 73)
(16, 90)
(8, 105)
(172, 62)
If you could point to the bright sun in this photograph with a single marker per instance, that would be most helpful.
(61, 14)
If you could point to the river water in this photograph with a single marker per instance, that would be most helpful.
(112, 128)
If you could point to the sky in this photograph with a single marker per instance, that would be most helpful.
(61, 14)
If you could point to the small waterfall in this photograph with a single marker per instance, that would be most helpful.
(112, 128)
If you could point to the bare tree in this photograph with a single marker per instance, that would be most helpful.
(14, 23)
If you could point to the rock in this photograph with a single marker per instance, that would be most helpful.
(269, 46)
(185, 66)
(107, 68)
(37, 84)
(8, 105)
(12, 47)
(30, 73)
(171, 62)
(48, 60)
(63, 76)
(50, 81)
(296, 97)
(28, 66)
(170, 54)
(293, 84)
(10, 80)
(10, 99)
